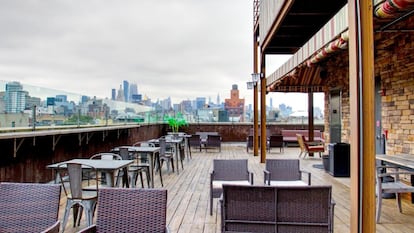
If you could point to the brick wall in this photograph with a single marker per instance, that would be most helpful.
(394, 65)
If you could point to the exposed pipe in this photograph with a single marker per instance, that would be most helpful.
(390, 8)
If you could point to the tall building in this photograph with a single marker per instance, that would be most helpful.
(200, 102)
(126, 91)
(133, 90)
(15, 97)
(113, 94)
(235, 106)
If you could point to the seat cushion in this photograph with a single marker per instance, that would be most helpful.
(218, 184)
(288, 183)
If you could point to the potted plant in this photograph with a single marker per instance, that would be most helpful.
(175, 122)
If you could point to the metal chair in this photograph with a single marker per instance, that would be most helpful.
(228, 171)
(140, 166)
(284, 172)
(131, 210)
(103, 177)
(395, 186)
(166, 154)
(29, 207)
(71, 177)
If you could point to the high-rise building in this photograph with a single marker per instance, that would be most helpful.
(133, 91)
(113, 94)
(126, 91)
(235, 105)
(200, 102)
(15, 97)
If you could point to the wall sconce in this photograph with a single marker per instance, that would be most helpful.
(255, 79)
(249, 85)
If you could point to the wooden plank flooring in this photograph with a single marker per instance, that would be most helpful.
(188, 193)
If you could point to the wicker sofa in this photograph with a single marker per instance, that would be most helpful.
(277, 209)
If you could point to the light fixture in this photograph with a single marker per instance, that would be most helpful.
(255, 80)
(249, 85)
(256, 77)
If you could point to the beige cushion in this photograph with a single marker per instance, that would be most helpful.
(288, 183)
(218, 184)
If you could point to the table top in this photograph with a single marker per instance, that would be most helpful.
(404, 160)
(150, 149)
(99, 164)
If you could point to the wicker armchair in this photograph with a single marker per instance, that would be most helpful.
(285, 172)
(29, 207)
(195, 141)
(277, 209)
(228, 171)
(274, 142)
(213, 141)
(131, 210)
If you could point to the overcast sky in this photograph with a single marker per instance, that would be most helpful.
(170, 48)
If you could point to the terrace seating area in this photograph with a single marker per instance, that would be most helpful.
(188, 204)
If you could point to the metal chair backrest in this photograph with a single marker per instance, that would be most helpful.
(106, 156)
(124, 153)
(75, 176)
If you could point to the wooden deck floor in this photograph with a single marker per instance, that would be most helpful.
(188, 193)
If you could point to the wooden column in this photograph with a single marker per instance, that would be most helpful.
(362, 121)
(311, 125)
(263, 135)
(255, 99)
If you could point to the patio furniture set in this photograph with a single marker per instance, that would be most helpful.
(284, 203)
(84, 180)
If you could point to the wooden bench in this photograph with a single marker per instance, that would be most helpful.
(289, 135)
(277, 208)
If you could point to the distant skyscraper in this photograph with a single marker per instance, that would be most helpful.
(126, 91)
(120, 96)
(113, 94)
(218, 99)
(200, 102)
(133, 90)
(15, 97)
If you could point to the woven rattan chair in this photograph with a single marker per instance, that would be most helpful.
(195, 141)
(29, 207)
(72, 177)
(275, 141)
(228, 171)
(277, 209)
(285, 172)
(396, 186)
(213, 141)
(131, 210)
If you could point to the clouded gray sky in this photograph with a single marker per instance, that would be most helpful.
(170, 48)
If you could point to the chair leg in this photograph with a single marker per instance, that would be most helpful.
(379, 203)
(398, 198)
